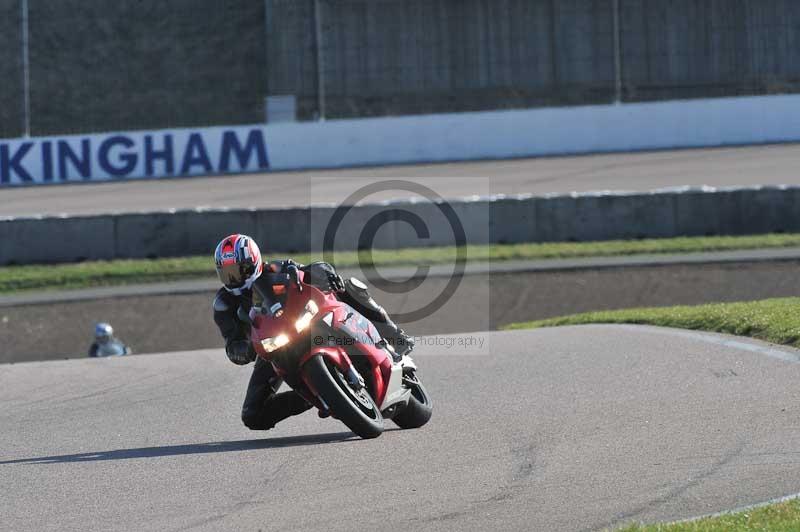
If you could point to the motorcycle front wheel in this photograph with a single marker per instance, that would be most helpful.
(353, 407)
(419, 409)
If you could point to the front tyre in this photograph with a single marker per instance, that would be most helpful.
(419, 409)
(353, 407)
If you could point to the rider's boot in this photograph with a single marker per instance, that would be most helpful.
(401, 343)
(275, 409)
(358, 296)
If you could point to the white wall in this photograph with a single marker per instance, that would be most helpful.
(410, 139)
(571, 130)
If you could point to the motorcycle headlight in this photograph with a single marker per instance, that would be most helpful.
(271, 344)
(308, 314)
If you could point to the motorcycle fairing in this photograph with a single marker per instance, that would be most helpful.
(345, 322)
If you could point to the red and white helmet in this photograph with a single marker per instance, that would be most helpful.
(238, 262)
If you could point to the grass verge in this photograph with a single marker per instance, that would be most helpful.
(780, 517)
(106, 273)
(772, 320)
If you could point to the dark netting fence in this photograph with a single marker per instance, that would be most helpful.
(79, 66)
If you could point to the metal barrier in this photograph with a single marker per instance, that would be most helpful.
(573, 217)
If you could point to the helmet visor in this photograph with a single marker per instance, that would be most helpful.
(234, 275)
(231, 275)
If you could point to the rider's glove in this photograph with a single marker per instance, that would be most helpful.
(290, 262)
(336, 282)
(240, 352)
(294, 274)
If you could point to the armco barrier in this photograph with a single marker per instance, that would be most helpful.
(57, 239)
(498, 219)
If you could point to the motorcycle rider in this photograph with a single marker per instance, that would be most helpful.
(106, 344)
(238, 263)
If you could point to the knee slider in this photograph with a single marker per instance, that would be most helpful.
(249, 419)
(252, 420)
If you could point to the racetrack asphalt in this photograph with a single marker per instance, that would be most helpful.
(643, 171)
(578, 428)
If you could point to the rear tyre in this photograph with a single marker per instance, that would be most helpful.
(355, 408)
(419, 409)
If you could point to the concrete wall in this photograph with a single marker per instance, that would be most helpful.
(577, 217)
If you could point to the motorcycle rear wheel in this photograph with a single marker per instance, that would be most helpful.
(354, 408)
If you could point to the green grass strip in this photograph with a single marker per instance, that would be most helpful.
(781, 517)
(772, 320)
(105, 273)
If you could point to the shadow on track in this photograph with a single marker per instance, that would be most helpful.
(194, 448)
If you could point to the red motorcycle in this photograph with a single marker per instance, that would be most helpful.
(334, 357)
